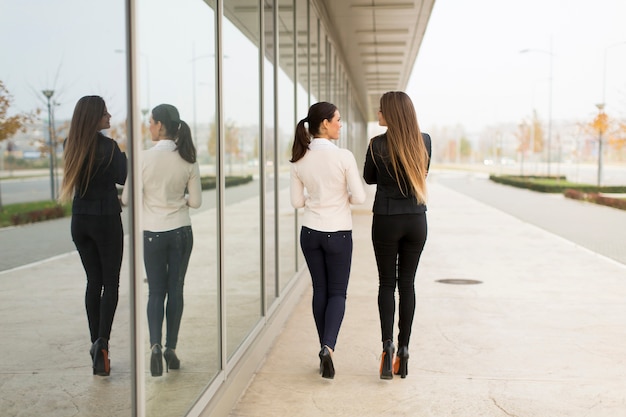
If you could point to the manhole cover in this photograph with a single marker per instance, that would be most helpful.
(456, 281)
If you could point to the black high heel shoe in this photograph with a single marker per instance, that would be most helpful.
(386, 360)
(156, 361)
(171, 360)
(327, 369)
(100, 355)
(401, 364)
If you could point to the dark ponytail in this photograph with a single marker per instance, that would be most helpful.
(300, 142)
(184, 143)
(176, 129)
(318, 112)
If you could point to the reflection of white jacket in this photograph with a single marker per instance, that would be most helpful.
(332, 181)
(165, 178)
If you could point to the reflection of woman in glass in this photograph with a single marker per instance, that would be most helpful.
(169, 171)
(332, 181)
(93, 165)
(397, 162)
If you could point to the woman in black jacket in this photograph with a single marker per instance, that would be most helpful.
(93, 165)
(397, 161)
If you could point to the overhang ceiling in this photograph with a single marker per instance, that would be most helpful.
(379, 40)
(376, 41)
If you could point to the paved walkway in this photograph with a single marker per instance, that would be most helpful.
(541, 335)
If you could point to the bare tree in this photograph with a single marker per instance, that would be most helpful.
(10, 125)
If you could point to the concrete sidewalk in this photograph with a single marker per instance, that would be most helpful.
(541, 335)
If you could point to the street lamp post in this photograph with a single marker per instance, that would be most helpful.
(606, 51)
(601, 126)
(55, 144)
(551, 54)
(193, 93)
(49, 94)
(602, 122)
(193, 61)
(147, 58)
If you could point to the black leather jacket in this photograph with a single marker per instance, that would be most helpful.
(389, 199)
(101, 197)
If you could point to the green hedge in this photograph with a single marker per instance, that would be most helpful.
(22, 213)
(552, 184)
(50, 213)
(209, 183)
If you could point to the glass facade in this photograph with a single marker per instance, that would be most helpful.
(245, 104)
(241, 73)
(287, 122)
(177, 65)
(242, 223)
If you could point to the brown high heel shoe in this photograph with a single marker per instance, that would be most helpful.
(386, 360)
(401, 364)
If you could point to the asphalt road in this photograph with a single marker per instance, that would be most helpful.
(25, 190)
(598, 228)
(22, 245)
(595, 227)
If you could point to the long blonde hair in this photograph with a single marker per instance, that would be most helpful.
(408, 155)
(81, 147)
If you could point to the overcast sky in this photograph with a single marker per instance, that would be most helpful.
(64, 45)
(469, 69)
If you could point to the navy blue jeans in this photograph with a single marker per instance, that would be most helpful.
(166, 258)
(398, 243)
(329, 257)
(100, 243)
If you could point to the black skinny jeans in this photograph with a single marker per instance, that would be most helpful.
(100, 243)
(329, 257)
(398, 243)
(166, 258)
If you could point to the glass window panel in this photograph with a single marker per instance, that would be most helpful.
(314, 56)
(45, 338)
(241, 138)
(177, 66)
(323, 66)
(333, 76)
(305, 60)
(287, 122)
(270, 157)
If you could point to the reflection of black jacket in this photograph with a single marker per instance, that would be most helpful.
(101, 196)
(377, 170)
